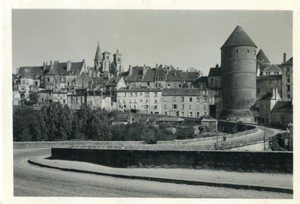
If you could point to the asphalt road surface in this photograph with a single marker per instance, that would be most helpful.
(30, 180)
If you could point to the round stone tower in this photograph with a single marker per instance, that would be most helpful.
(238, 74)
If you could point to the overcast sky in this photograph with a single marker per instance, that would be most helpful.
(179, 38)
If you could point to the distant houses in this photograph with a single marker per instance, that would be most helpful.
(164, 89)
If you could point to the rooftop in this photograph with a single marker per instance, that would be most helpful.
(238, 38)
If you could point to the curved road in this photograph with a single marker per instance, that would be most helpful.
(30, 180)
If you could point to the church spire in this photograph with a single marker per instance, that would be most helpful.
(98, 55)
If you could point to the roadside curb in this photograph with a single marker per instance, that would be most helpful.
(169, 180)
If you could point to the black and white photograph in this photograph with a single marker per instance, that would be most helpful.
(152, 103)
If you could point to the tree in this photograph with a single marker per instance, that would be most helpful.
(57, 120)
(149, 135)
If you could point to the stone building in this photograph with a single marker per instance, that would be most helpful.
(238, 75)
(287, 79)
(142, 100)
(282, 114)
(261, 62)
(184, 102)
(264, 105)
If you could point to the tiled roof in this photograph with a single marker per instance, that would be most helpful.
(238, 38)
(175, 75)
(139, 90)
(214, 72)
(32, 71)
(137, 74)
(262, 57)
(60, 68)
(201, 80)
(181, 92)
(160, 72)
(150, 75)
(272, 68)
(283, 107)
(76, 67)
(112, 81)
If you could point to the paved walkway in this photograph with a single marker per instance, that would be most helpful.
(255, 181)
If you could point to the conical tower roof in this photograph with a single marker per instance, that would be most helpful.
(262, 57)
(98, 55)
(238, 38)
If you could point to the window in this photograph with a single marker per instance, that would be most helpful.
(155, 107)
(64, 101)
(166, 113)
(177, 113)
(288, 87)
(191, 99)
(198, 114)
(174, 106)
(198, 99)
(191, 114)
(155, 101)
(146, 100)
(190, 107)
(182, 106)
(182, 99)
(237, 51)
(48, 79)
(146, 106)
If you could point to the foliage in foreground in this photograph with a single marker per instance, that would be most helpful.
(55, 122)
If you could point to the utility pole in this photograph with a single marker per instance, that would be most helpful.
(217, 144)
(264, 138)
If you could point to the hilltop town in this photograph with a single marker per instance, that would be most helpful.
(245, 87)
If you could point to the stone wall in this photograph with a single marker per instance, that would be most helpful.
(281, 162)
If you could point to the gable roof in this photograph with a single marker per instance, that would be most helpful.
(289, 62)
(137, 74)
(214, 72)
(262, 57)
(30, 71)
(191, 76)
(283, 107)
(272, 68)
(150, 75)
(175, 75)
(238, 38)
(181, 92)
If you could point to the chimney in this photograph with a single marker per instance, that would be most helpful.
(44, 66)
(217, 65)
(69, 65)
(156, 66)
(144, 70)
(284, 57)
(130, 70)
(51, 64)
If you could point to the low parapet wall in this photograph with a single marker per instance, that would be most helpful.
(280, 162)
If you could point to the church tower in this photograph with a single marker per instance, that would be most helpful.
(238, 75)
(118, 61)
(98, 59)
(105, 70)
